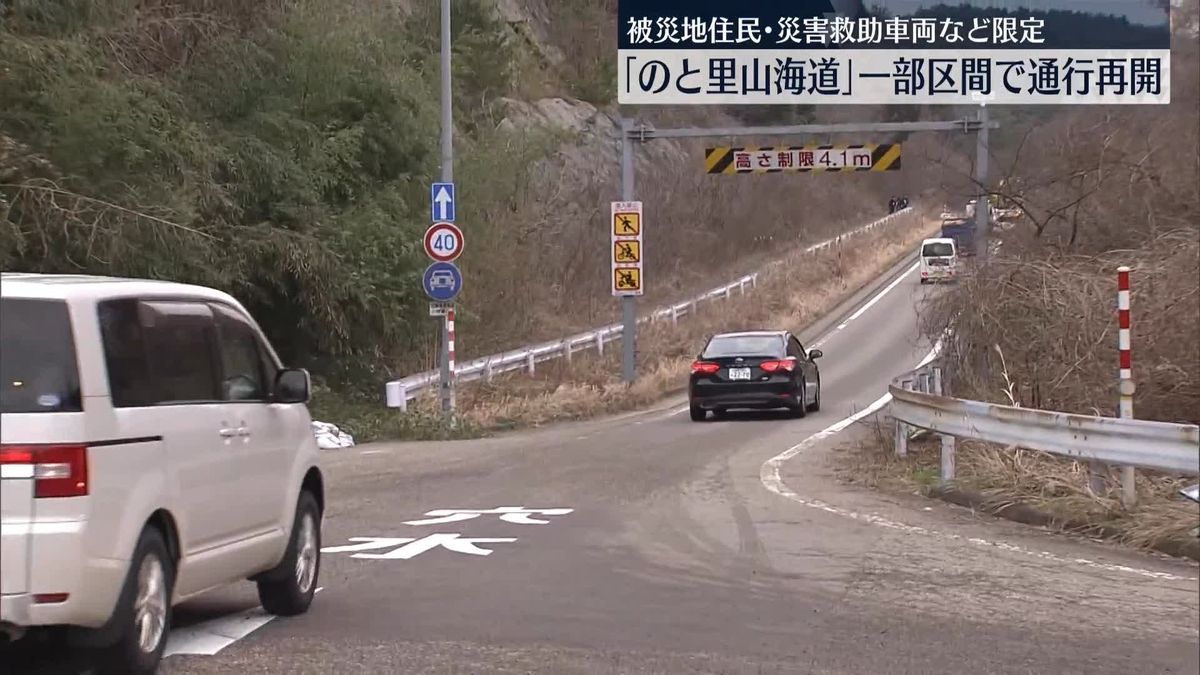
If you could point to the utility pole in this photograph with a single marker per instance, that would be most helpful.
(628, 302)
(983, 211)
(447, 143)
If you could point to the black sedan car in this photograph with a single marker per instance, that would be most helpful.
(754, 369)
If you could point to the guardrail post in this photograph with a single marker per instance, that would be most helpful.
(397, 396)
(728, 292)
(674, 316)
(529, 362)
(949, 443)
(692, 308)
(488, 372)
(600, 342)
(566, 349)
(948, 448)
(902, 428)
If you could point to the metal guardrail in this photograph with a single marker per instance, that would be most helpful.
(918, 402)
(399, 392)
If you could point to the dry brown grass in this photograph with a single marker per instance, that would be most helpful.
(1099, 187)
(791, 295)
(1053, 486)
(1055, 322)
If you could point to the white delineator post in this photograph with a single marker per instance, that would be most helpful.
(1125, 386)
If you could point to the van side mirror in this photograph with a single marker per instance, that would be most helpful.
(293, 385)
(814, 354)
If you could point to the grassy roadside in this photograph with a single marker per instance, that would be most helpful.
(792, 295)
(1032, 487)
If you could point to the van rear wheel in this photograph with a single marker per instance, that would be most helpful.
(143, 610)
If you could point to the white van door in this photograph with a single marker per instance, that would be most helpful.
(162, 364)
(266, 445)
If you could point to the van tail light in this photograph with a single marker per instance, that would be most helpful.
(705, 367)
(57, 470)
(780, 366)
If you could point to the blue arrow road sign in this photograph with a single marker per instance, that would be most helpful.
(442, 281)
(442, 196)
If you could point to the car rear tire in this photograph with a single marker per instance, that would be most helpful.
(143, 613)
(801, 408)
(289, 588)
(698, 414)
(816, 404)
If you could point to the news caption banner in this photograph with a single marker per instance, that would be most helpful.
(705, 52)
(407, 548)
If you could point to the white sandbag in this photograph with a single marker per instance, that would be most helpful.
(329, 437)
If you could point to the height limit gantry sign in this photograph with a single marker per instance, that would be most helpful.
(627, 225)
(796, 159)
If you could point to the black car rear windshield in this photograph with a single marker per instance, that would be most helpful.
(38, 369)
(940, 249)
(744, 345)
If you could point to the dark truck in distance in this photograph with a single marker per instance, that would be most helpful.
(962, 231)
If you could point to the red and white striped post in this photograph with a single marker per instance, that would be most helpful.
(1126, 358)
(1125, 384)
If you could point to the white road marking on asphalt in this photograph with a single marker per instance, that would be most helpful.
(861, 310)
(209, 637)
(509, 514)
(373, 452)
(367, 543)
(450, 542)
(771, 479)
(406, 548)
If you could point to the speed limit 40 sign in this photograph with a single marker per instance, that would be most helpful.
(443, 242)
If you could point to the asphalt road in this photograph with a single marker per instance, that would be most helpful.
(715, 547)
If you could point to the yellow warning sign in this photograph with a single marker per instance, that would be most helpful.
(627, 279)
(627, 224)
(627, 251)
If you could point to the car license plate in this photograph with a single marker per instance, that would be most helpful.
(739, 373)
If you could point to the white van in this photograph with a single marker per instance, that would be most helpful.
(152, 447)
(939, 260)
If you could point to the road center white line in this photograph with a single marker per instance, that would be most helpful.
(862, 310)
(770, 476)
(209, 637)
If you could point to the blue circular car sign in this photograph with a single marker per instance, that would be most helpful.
(442, 281)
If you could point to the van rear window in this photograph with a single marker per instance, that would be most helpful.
(38, 368)
(939, 249)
